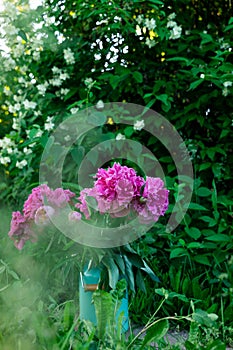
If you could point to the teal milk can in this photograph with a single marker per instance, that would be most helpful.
(88, 283)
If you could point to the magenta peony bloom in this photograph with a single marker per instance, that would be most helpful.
(82, 206)
(18, 223)
(20, 230)
(154, 201)
(116, 187)
(42, 196)
(59, 197)
(35, 201)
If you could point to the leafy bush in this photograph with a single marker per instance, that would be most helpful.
(175, 58)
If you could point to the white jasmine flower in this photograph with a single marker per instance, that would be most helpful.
(100, 104)
(176, 32)
(89, 82)
(37, 113)
(49, 125)
(150, 23)
(27, 151)
(74, 110)
(55, 82)
(64, 76)
(64, 91)
(56, 70)
(17, 98)
(14, 108)
(9, 64)
(5, 160)
(21, 80)
(139, 125)
(171, 24)
(16, 124)
(36, 55)
(69, 56)
(39, 133)
(6, 143)
(7, 91)
(9, 150)
(202, 76)
(120, 137)
(150, 43)
(138, 30)
(140, 19)
(225, 92)
(42, 88)
(227, 84)
(29, 104)
(21, 164)
(32, 145)
(171, 16)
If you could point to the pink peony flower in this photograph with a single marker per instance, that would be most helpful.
(18, 223)
(59, 197)
(35, 201)
(82, 205)
(154, 201)
(20, 230)
(116, 187)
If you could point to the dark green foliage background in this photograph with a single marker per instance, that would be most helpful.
(195, 261)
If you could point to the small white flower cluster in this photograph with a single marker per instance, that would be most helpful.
(69, 56)
(175, 30)
(62, 93)
(42, 88)
(7, 147)
(120, 137)
(139, 125)
(225, 90)
(89, 82)
(49, 125)
(145, 25)
(58, 76)
(74, 110)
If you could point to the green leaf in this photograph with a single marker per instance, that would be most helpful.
(193, 245)
(203, 192)
(180, 59)
(157, 331)
(217, 344)
(104, 308)
(148, 270)
(193, 232)
(113, 272)
(129, 273)
(211, 221)
(202, 259)
(163, 98)
(77, 154)
(179, 296)
(138, 77)
(205, 166)
(195, 84)
(177, 252)
(196, 206)
(202, 317)
(128, 131)
(22, 34)
(140, 281)
(219, 237)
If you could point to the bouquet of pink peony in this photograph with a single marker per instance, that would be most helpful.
(118, 195)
